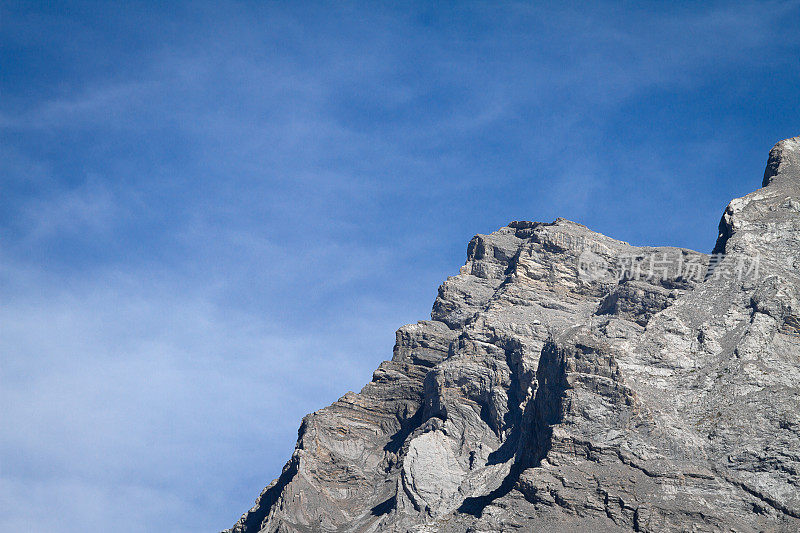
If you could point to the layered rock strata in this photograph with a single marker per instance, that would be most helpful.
(568, 381)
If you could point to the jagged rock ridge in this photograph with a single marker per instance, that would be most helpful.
(568, 381)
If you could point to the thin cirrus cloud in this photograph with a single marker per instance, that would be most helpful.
(213, 217)
(116, 388)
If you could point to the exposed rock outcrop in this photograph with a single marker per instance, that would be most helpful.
(568, 381)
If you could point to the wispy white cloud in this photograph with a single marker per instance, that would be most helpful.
(123, 392)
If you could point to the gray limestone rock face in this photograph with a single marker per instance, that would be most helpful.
(568, 381)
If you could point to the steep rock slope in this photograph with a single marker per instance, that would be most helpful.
(568, 381)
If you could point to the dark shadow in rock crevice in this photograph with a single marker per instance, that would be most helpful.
(536, 423)
(475, 505)
(407, 426)
(513, 416)
(385, 507)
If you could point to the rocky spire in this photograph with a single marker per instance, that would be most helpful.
(784, 162)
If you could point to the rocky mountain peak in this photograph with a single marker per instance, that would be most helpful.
(784, 162)
(568, 381)
(766, 219)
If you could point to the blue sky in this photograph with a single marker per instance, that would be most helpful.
(213, 216)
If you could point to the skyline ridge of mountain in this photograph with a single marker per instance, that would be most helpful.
(568, 381)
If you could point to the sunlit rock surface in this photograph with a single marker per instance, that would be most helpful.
(568, 381)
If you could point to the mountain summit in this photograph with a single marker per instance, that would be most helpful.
(568, 382)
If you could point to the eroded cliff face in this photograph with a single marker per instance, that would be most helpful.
(568, 381)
